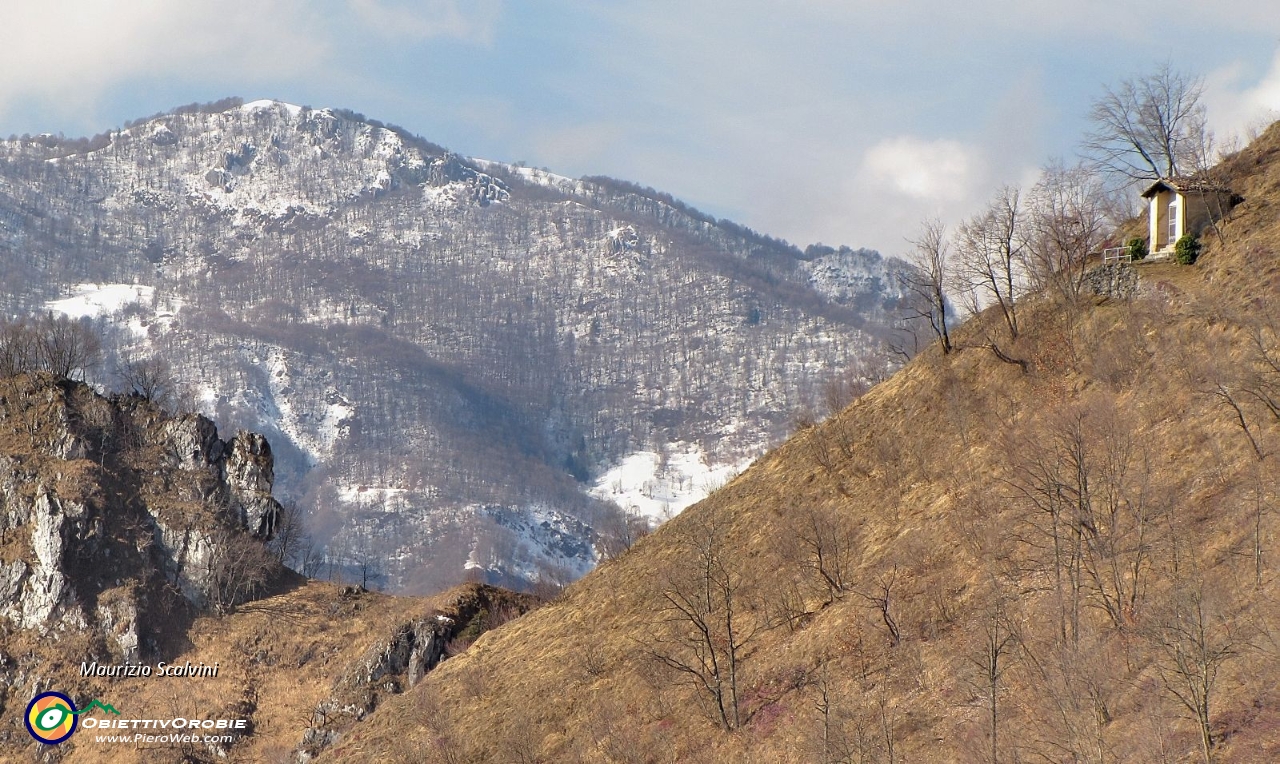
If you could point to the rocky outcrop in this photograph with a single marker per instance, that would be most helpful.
(389, 667)
(118, 618)
(47, 592)
(192, 443)
(108, 505)
(35, 592)
(400, 661)
(244, 466)
(250, 472)
(189, 558)
(12, 574)
(412, 651)
(236, 477)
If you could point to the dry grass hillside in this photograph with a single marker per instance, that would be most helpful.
(281, 659)
(972, 562)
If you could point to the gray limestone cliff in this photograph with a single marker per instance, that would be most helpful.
(115, 516)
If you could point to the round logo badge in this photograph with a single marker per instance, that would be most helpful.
(51, 717)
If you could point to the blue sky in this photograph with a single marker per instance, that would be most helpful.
(812, 120)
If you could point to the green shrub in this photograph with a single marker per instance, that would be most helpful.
(1137, 248)
(1186, 250)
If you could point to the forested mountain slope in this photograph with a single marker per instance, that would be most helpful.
(449, 356)
(1065, 560)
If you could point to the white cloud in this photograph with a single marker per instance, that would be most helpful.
(1128, 20)
(936, 171)
(73, 50)
(840, 143)
(67, 54)
(1266, 94)
(1237, 106)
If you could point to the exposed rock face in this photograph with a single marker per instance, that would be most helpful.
(193, 443)
(119, 621)
(11, 577)
(389, 667)
(189, 558)
(47, 591)
(399, 662)
(244, 466)
(94, 529)
(414, 650)
(35, 592)
(249, 474)
(236, 476)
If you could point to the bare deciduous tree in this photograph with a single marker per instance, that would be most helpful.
(998, 640)
(990, 254)
(149, 377)
(1068, 222)
(62, 346)
(705, 619)
(1075, 687)
(68, 348)
(289, 535)
(621, 530)
(881, 597)
(19, 349)
(240, 567)
(1149, 127)
(309, 558)
(1050, 474)
(826, 547)
(367, 561)
(1262, 498)
(1195, 643)
(926, 283)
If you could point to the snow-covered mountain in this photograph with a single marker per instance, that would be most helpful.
(460, 363)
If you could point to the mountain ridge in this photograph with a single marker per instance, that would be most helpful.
(301, 263)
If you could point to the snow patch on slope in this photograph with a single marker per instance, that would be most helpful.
(659, 489)
(105, 301)
(536, 177)
(253, 106)
(374, 497)
(313, 426)
(543, 543)
(316, 436)
(95, 300)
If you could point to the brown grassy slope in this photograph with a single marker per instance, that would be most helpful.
(279, 657)
(928, 475)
